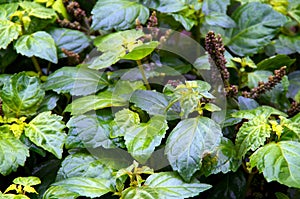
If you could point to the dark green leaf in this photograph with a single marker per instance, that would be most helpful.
(46, 131)
(22, 94)
(186, 22)
(49, 102)
(39, 44)
(252, 33)
(64, 38)
(275, 62)
(12, 151)
(287, 44)
(90, 131)
(167, 6)
(94, 102)
(252, 135)
(247, 103)
(76, 81)
(9, 31)
(219, 19)
(231, 185)
(224, 159)
(83, 165)
(188, 143)
(154, 103)
(7, 56)
(219, 6)
(279, 161)
(124, 88)
(257, 76)
(118, 14)
(294, 87)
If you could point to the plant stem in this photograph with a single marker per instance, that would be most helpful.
(36, 65)
(141, 68)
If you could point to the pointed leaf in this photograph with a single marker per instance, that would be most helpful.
(46, 131)
(39, 44)
(9, 31)
(12, 151)
(94, 102)
(279, 161)
(22, 94)
(154, 103)
(189, 141)
(142, 139)
(219, 19)
(187, 23)
(252, 135)
(64, 38)
(83, 165)
(170, 185)
(166, 6)
(256, 76)
(76, 81)
(90, 131)
(219, 6)
(118, 14)
(253, 33)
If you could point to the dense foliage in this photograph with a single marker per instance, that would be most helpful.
(117, 99)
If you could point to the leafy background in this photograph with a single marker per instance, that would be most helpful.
(61, 65)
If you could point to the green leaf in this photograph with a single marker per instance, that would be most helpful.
(252, 135)
(37, 10)
(27, 181)
(22, 94)
(224, 159)
(280, 195)
(279, 161)
(94, 102)
(247, 103)
(59, 7)
(294, 87)
(12, 151)
(83, 165)
(114, 46)
(154, 103)
(124, 120)
(9, 31)
(39, 44)
(202, 62)
(64, 38)
(141, 51)
(219, 19)
(219, 6)
(253, 33)
(118, 14)
(166, 6)
(90, 131)
(264, 111)
(231, 185)
(124, 88)
(256, 76)
(8, 9)
(142, 139)
(275, 62)
(165, 185)
(76, 81)
(56, 192)
(287, 44)
(83, 186)
(46, 131)
(186, 22)
(49, 102)
(189, 141)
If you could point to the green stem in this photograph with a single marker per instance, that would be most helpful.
(36, 65)
(141, 68)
